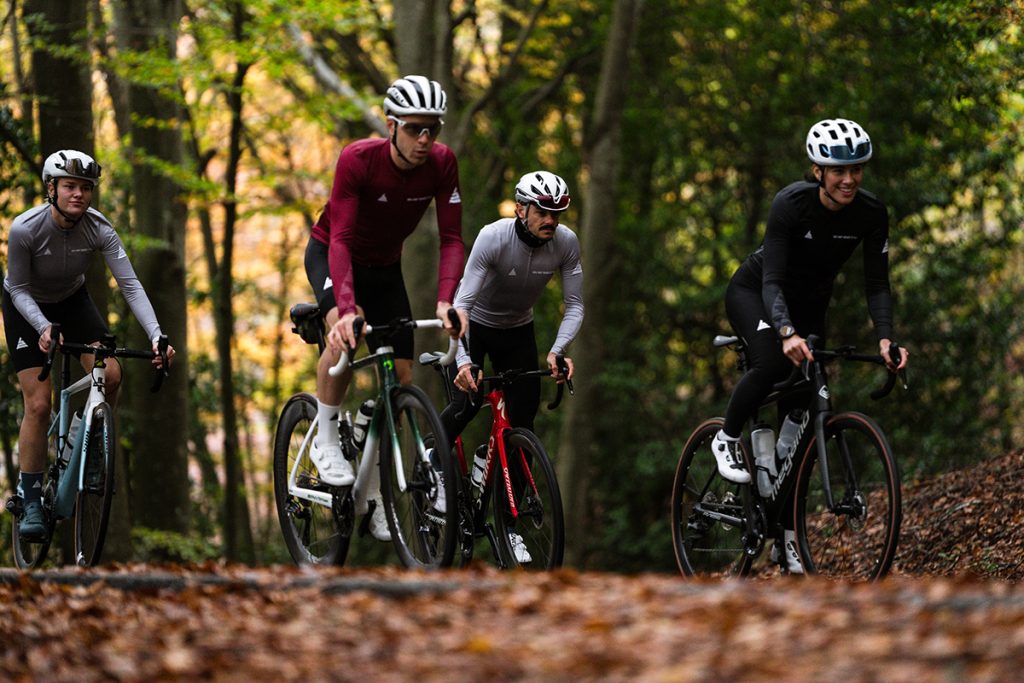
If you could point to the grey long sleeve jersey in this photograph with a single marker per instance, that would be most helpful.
(47, 264)
(504, 278)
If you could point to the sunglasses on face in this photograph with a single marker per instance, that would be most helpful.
(416, 130)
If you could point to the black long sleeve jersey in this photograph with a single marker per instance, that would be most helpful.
(805, 245)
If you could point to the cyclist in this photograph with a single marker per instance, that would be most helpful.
(382, 188)
(779, 295)
(50, 248)
(508, 268)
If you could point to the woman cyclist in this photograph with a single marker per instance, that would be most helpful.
(779, 295)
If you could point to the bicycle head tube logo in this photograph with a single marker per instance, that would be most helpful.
(823, 392)
(389, 364)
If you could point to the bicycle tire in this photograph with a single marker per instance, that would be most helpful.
(92, 503)
(32, 554)
(860, 542)
(423, 537)
(534, 488)
(310, 531)
(704, 545)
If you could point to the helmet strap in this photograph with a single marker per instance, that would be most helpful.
(394, 143)
(52, 201)
(821, 184)
(524, 234)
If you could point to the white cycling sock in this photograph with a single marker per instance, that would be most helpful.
(327, 424)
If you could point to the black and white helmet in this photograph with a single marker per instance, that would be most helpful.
(838, 142)
(415, 95)
(543, 189)
(70, 163)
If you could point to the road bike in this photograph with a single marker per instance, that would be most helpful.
(318, 519)
(838, 486)
(513, 472)
(80, 478)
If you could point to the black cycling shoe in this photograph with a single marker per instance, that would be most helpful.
(32, 525)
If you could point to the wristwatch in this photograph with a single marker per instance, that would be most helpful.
(786, 331)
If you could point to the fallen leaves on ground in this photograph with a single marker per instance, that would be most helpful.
(952, 611)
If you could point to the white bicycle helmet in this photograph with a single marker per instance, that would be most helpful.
(838, 142)
(415, 95)
(70, 163)
(543, 189)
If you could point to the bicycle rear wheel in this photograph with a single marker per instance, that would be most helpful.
(857, 540)
(423, 536)
(708, 518)
(92, 505)
(310, 532)
(539, 523)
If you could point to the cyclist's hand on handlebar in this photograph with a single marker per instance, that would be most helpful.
(883, 349)
(442, 313)
(342, 334)
(796, 349)
(157, 359)
(45, 340)
(553, 365)
(464, 380)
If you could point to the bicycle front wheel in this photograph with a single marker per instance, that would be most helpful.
(310, 532)
(708, 518)
(92, 505)
(533, 537)
(32, 554)
(424, 535)
(857, 538)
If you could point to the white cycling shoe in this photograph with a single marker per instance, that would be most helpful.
(519, 549)
(330, 462)
(379, 520)
(730, 462)
(793, 563)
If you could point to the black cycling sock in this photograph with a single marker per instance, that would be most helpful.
(32, 486)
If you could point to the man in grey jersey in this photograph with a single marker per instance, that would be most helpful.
(49, 249)
(510, 264)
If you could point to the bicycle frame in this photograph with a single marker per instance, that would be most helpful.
(383, 359)
(811, 374)
(95, 382)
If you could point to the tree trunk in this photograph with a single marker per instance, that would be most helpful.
(159, 464)
(581, 438)
(64, 96)
(238, 543)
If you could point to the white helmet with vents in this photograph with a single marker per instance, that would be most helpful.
(838, 142)
(415, 95)
(543, 189)
(70, 163)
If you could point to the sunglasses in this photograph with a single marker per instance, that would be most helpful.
(549, 203)
(75, 167)
(416, 130)
(844, 153)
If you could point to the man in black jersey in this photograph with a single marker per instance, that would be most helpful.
(779, 295)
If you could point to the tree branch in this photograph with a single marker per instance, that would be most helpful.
(329, 79)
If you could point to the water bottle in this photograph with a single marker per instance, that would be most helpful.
(762, 439)
(789, 434)
(479, 462)
(69, 445)
(361, 423)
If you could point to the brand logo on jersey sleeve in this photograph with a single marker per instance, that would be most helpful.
(328, 283)
(762, 325)
(383, 198)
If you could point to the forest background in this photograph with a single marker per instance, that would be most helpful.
(218, 125)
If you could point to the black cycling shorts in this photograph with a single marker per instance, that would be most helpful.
(380, 292)
(80, 322)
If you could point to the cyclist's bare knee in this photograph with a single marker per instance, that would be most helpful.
(403, 367)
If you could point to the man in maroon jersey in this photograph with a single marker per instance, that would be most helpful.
(382, 188)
